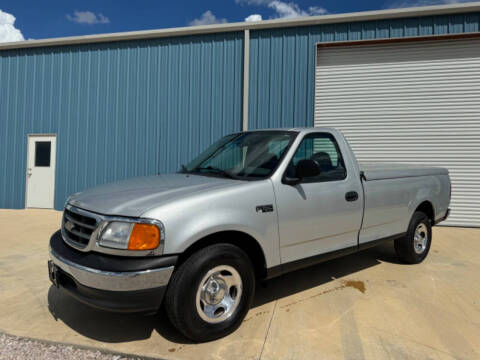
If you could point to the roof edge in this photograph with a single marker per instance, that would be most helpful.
(258, 25)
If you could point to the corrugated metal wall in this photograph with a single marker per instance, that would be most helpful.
(118, 109)
(283, 61)
(142, 107)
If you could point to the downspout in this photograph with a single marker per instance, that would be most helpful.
(246, 72)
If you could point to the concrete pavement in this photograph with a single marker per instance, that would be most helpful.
(364, 306)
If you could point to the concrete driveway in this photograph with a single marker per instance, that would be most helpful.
(365, 305)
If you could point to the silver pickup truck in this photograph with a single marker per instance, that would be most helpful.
(254, 205)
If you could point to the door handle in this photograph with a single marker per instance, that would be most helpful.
(351, 196)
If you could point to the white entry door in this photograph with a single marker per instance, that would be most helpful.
(41, 171)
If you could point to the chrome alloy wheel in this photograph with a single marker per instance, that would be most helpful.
(420, 238)
(219, 294)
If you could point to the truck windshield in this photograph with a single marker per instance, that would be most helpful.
(249, 155)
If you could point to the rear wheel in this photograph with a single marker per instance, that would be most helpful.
(211, 292)
(414, 247)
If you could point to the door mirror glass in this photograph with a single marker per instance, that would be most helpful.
(307, 168)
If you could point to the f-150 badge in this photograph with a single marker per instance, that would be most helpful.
(264, 208)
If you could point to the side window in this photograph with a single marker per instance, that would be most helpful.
(322, 148)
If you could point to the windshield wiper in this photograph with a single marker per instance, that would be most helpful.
(217, 170)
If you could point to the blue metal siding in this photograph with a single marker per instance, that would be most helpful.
(119, 109)
(142, 107)
(281, 92)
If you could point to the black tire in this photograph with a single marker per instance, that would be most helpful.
(406, 248)
(180, 299)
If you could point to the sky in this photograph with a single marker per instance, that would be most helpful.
(24, 20)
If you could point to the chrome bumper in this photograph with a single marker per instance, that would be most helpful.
(113, 281)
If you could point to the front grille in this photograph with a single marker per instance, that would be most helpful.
(77, 228)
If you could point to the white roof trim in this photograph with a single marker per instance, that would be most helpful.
(266, 24)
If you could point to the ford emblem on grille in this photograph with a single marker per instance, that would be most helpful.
(69, 226)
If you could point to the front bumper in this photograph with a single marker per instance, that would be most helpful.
(109, 282)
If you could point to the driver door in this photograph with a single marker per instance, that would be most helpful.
(315, 216)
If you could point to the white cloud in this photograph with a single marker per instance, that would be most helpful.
(292, 10)
(285, 9)
(8, 32)
(88, 17)
(254, 17)
(207, 18)
(317, 10)
(395, 4)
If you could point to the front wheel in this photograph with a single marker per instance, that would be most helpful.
(414, 247)
(211, 292)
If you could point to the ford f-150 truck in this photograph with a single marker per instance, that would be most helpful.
(252, 206)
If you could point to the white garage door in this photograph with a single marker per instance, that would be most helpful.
(413, 102)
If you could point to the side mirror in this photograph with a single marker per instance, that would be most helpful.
(305, 168)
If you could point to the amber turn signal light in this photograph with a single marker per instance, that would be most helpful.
(144, 237)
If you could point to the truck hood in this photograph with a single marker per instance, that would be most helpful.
(135, 196)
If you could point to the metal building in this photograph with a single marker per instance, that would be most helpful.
(403, 85)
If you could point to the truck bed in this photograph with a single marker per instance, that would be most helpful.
(379, 171)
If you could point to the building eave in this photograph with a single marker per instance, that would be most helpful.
(259, 25)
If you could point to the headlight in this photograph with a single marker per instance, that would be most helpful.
(131, 236)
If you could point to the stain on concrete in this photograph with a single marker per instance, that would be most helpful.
(175, 349)
(262, 313)
(313, 296)
(257, 314)
(356, 284)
